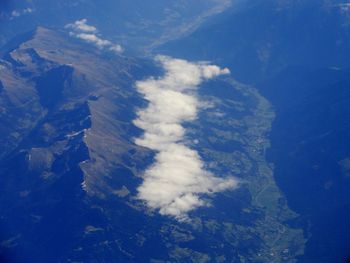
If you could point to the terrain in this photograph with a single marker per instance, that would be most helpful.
(278, 123)
(294, 53)
(138, 25)
(70, 162)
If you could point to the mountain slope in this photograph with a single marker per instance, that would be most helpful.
(70, 169)
(137, 25)
(258, 39)
(295, 53)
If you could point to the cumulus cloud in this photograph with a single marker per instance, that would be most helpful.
(176, 183)
(82, 30)
(91, 38)
(82, 26)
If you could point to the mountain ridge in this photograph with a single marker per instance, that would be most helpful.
(73, 163)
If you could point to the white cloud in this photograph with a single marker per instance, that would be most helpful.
(15, 13)
(345, 7)
(81, 30)
(176, 182)
(91, 38)
(18, 13)
(116, 48)
(82, 26)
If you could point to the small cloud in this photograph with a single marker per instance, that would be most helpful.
(116, 48)
(15, 13)
(82, 26)
(18, 13)
(27, 11)
(175, 184)
(91, 38)
(81, 30)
